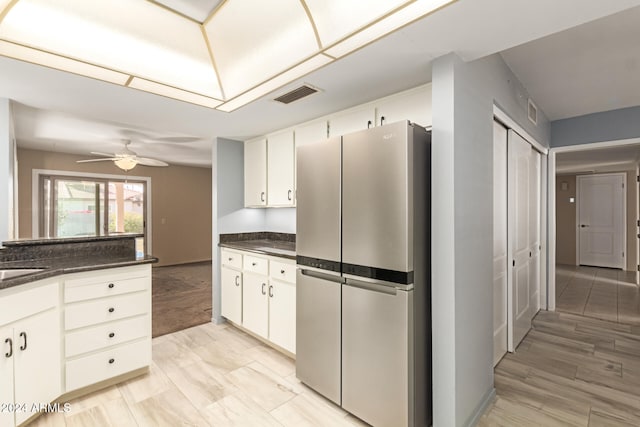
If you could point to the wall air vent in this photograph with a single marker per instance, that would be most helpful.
(297, 93)
(532, 112)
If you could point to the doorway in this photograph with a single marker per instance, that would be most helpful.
(601, 212)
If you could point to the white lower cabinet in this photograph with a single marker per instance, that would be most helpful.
(30, 358)
(261, 297)
(107, 323)
(255, 304)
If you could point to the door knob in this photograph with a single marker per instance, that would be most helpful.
(583, 225)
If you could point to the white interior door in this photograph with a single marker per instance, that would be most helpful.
(601, 220)
(522, 213)
(638, 225)
(499, 241)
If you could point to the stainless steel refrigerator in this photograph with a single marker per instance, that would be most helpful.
(363, 336)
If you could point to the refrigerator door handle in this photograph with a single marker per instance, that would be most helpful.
(383, 289)
(319, 275)
(376, 283)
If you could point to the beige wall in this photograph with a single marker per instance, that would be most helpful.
(566, 227)
(180, 197)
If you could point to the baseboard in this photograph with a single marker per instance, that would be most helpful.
(482, 408)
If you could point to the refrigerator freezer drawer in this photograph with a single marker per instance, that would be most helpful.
(377, 354)
(318, 334)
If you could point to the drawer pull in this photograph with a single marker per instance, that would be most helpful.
(230, 259)
(10, 352)
(263, 292)
(111, 285)
(281, 271)
(111, 309)
(111, 335)
(111, 361)
(23, 335)
(254, 264)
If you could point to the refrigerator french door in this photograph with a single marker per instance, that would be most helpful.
(380, 224)
(318, 277)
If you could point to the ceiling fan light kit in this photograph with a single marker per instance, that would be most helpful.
(126, 159)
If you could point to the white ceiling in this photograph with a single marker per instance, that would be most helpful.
(601, 160)
(63, 112)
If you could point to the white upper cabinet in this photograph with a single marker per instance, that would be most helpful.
(255, 172)
(311, 132)
(280, 169)
(413, 105)
(352, 120)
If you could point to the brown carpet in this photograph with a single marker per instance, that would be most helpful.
(181, 297)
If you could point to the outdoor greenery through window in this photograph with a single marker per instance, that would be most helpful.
(76, 206)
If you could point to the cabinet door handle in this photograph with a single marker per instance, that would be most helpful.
(111, 335)
(381, 120)
(271, 291)
(111, 285)
(23, 335)
(111, 309)
(262, 196)
(369, 124)
(263, 291)
(112, 361)
(289, 195)
(237, 280)
(10, 352)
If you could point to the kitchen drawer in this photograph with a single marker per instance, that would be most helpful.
(256, 264)
(110, 334)
(106, 309)
(98, 367)
(17, 303)
(231, 259)
(283, 271)
(80, 290)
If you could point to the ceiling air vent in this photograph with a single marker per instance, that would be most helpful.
(297, 93)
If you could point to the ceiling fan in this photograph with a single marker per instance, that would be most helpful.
(125, 159)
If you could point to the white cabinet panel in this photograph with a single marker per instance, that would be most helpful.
(256, 264)
(285, 271)
(231, 259)
(282, 314)
(414, 105)
(37, 360)
(231, 294)
(105, 309)
(107, 364)
(255, 304)
(107, 335)
(6, 374)
(255, 172)
(352, 121)
(280, 172)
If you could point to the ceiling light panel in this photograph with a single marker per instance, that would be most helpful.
(198, 10)
(130, 36)
(254, 40)
(390, 23)
(336, 19)
(35, 56)
(170, 92)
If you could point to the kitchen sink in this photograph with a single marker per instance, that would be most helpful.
(15, 272)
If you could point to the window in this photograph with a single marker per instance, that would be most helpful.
(87, 206)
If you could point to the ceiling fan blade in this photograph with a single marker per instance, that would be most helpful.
(95, 160)
(97, 153)
(145, 161)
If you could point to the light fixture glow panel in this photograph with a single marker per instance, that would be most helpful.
(241, 52)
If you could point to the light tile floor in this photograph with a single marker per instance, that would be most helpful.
(208, 375)
(602, 293)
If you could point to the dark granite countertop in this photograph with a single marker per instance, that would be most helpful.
(75, 239)
(57, 266)
(264, 243)
(68, 255)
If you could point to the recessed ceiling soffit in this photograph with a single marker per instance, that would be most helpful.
(218, 54)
